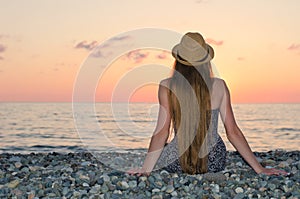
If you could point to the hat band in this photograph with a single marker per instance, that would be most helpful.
(201, 60)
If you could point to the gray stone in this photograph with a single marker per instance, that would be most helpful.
(123, 184)
(186, 189)
(169, 189)
(142, 184)
(95, 189)
(272, 186)
(105, 178)
(155, 190)
(143, 178)
(18, 164)
(13, 184)
(239, 164)
(239, 196)
(132, 183)
(65, 191)
(216, 196)
(216, 177)
(164, 172)
(157, 197)
(119, 161)
(174, 194)
(158, 184)
(86, 163)
(216, 188)
(14, 159)
(148, 194)
(104, 188)
(263, 183)
(25, 169)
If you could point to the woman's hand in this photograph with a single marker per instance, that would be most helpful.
(138, 172)
(272, 171)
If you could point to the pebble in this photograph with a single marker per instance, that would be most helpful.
(142, 184)
(174, 194)
(239, 196)
(132, 184)
(263, 183)
(18, 164)
(104, 188)
(155, 190)
(239, 190)
(239, 164)
(143, 178)
(13, 184)
(123, 185)
(119, 161)
(81, 175)
(269, 162)
(86, 163)
(216, 177)
(157, 197)
(105, 178)
(283, 164)
(216, 188)
(169, 189)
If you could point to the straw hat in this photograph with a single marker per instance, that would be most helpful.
(193, 50)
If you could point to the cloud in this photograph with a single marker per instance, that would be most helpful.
(294, 47)
(4, 36)
(2, 48)
(121, 38)
(102, 50)
(214, 42)
(86, 45)
(163, 55)
(137, 56)
(99, 51)
(202, 1)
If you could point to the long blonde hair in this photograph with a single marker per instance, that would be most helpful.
(190, 110)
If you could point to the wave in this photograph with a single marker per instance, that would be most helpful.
(287, 129)
(125, 121)
(43, 148)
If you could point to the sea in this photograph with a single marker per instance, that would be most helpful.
(59, 127)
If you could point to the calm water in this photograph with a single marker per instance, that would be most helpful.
(46, 127)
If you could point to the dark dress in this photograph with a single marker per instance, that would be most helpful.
(169, 158)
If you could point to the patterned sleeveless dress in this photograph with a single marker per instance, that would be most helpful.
(169, 158)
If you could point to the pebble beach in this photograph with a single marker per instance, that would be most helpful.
(83, 175)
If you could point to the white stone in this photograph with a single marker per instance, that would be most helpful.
(239, 190)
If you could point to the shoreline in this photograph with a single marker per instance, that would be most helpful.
(86, 175)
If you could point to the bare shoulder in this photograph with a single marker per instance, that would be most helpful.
(165, 82)
(163, 91)
(219, 83)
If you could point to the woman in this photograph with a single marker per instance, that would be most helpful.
(190, 102)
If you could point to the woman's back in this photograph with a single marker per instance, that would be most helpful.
(169, 158)
(217, 93)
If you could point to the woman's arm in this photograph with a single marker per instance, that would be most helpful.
(160, 134)
(237, 139)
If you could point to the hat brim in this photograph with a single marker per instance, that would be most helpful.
(207, 58)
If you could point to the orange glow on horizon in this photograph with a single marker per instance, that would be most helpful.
(40, 58)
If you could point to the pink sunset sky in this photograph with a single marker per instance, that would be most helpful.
(44, 44)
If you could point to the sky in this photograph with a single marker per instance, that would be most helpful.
(44, 46)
